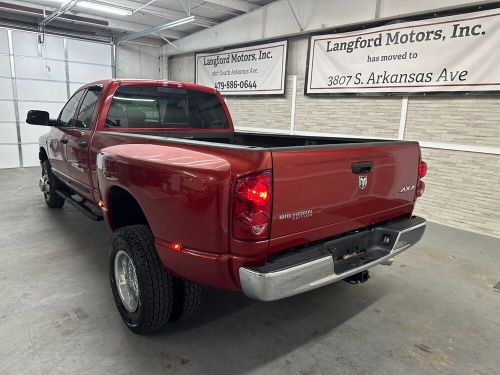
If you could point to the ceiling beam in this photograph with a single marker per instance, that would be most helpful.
(157, 11)
(57, 12)
(37, 12)
(136, 27)
(240, 5)
(186, 6)
(144, 6)
(29, 23)
(169, 42)
(112, 24)
(132, 5)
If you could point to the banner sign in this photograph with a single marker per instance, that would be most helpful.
(454, 53)
(253, 70)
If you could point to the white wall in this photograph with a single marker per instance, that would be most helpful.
(139, 61)
(277, 20)
(459, 135)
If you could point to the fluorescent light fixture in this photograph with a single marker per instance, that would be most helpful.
(104, 8)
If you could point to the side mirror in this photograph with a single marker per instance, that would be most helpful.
(36, 117)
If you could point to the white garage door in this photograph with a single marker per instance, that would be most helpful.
(40, 76)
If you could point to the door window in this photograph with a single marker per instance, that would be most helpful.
(87, 108)
(68, 112)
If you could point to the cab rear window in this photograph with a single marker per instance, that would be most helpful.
(161, 107)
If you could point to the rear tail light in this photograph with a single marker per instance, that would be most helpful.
(252, 207)
(422, 169)
(420, 188)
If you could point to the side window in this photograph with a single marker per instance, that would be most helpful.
(68, 112)
(206, 111)
(87, 108)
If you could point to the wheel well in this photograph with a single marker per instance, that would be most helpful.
(124, 209)
(42, 155)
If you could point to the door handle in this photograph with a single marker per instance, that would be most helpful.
(82, 144)
(362, 167)
(64, 141)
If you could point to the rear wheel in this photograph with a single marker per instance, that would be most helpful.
(48, 184)
(142, 289)
(188, 300)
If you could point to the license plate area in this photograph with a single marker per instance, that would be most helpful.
(360, 248)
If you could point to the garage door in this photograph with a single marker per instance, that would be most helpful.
(40, 76)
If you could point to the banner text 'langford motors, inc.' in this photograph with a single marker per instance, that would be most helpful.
(253, 70)
(455, 53)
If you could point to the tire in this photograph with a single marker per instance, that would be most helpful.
(155, 285)
(189, 298)
(50, 186)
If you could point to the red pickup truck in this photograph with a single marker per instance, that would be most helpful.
(193, 203)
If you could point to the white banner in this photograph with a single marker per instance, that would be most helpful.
(455, 53)
(253, 70)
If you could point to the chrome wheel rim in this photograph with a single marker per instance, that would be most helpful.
(126, 281)
(45, 184)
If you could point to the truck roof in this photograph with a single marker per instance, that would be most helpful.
(152, 82)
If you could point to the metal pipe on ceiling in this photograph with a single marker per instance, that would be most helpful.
(143, 6)
(155, 29)
(168, 41)
(59, 11)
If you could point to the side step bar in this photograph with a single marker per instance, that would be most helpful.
(80, 206)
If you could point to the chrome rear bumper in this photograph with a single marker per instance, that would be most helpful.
(296, 273)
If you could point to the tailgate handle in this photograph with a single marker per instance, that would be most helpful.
(362, 167)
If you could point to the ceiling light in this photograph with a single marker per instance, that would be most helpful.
(104, 8)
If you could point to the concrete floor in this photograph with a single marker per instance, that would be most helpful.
(435, 311)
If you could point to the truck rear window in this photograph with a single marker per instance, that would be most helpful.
(161, 107)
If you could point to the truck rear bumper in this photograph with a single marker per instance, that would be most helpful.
(324, 263)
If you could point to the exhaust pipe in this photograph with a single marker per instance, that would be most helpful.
(361, 277)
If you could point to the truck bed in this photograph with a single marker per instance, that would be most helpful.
(263, 140)
(322, 186)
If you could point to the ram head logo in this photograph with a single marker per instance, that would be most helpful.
(362, 182)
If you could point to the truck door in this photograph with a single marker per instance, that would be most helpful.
(79, 142)
(59, 140)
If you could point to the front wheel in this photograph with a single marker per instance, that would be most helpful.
(48, 185)
(142, 289)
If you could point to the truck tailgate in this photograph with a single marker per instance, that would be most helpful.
(325, 191)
